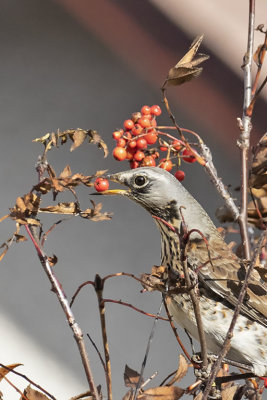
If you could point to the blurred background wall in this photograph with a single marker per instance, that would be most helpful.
(90, 64)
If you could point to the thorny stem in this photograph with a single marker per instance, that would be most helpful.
(77, 332)
(229, 335)
(245, 129)
(99, 286)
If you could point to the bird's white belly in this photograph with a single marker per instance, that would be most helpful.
(249, 342)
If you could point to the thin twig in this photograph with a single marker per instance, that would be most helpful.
(206, 161)
(134, 308)
(28, 380)
(138, 386)
(175, 330)
(229, 335)
(99, 286)
(98, 352)
(77, 332)
(16, 388)
(245, 130)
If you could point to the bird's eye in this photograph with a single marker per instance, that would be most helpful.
(140, 180)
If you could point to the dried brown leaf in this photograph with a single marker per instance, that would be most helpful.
(33, 394)
(20, 238)
(131, 377)
(94, 213)
(66, 173)
(181, 371)
(44, 186)
(4, 371)
(52, 260)
(257, 55)
(188, 67)
(78, 138)
(162, 393)
(229, 392)
(62, 208)
(95, 138)
(42, 139)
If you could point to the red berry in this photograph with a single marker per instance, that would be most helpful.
(141, 143)
(121, 142)
(188, 156)
(119, 153)
(134, 164)
(163, 148)
(132, 144)
(155, 155)
(179, 175)
(128, 124)
(101, 184)
(155, 110)
(153, 122)
(148, 161)
(166, 164)
(137, 129)
(130, 152)
(144, 122)
(151, 137)
(145, 110)
(139, 155)
(117, 135)
(177, 145)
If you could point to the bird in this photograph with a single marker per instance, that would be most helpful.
(219, 272)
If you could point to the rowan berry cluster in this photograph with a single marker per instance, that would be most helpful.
(142, 142)
(139, 133)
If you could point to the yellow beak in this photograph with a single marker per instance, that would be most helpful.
(114, 192)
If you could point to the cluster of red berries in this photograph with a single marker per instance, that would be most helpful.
(133, 141)
(139, 132)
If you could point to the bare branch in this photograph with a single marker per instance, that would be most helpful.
(77, 332)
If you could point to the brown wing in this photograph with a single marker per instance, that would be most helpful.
(223, 272)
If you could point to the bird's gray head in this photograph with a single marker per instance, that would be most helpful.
(153, 188)
(161, 194)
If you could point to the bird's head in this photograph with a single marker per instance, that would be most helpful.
(153, 188)
(163, 196)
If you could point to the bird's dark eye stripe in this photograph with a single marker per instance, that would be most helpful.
(140, 180)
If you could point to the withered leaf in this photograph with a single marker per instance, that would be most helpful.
(257, 55)
(5, 371)
(95, 138)
(162, 393)
(62, 208)
(258, 173)
(78, 138)
(94, 213)
(42, 139)
(131, 377)
(199, 396)
(20, 238)
(25, 208)
(181, 371)
(44, 186)
(33, 394)
(52, 260)
(262, 272)
(188, 67)
(229, 392)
